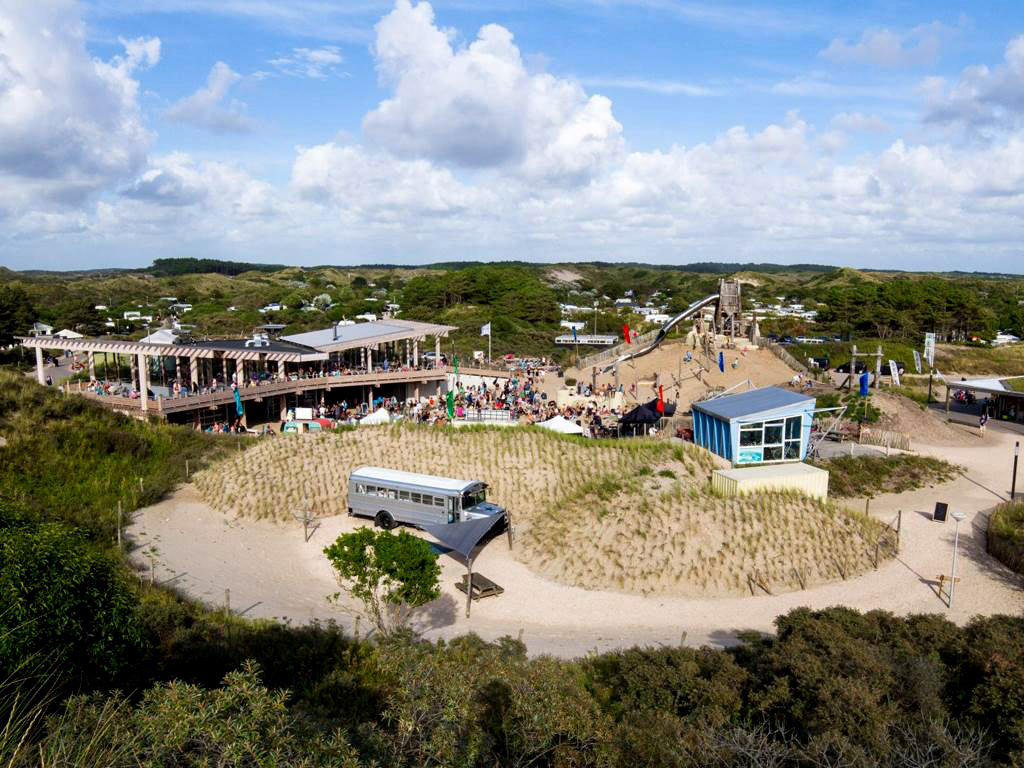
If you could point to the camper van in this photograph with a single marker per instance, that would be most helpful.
(391, 496)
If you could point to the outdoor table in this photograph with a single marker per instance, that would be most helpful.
(482, 586)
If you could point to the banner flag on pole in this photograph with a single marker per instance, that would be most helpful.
(917, 361)
(451, 404)
(721, 361)
(661, 400)
(625, 332)
(238, 402)
(864, 378)
(485, 330)
(894, 372)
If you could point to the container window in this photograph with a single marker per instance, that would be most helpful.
(772, 452)
(773, 434)
(792, 449)
(793, 426)
(750, 436)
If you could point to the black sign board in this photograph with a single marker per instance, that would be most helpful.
(939, 514)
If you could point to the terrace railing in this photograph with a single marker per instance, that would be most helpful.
(225, 396)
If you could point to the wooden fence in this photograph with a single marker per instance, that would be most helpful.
(885, 438)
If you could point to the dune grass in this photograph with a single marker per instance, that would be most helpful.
(865, 476)
(1006, 534)
(633, 515)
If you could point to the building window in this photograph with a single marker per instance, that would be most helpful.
(764, 441)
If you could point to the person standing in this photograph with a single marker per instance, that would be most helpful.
(982, 421)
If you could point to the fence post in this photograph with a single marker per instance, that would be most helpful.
(119, 518)
(142, 488)
(186, 469)
(899, 525)
(227, 601)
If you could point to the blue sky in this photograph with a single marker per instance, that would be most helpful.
(870, 134)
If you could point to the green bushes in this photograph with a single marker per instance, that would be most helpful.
(1005, 535)
(70, 459)
(860, 476)
(63, 599)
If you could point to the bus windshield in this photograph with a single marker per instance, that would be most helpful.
(472, 498)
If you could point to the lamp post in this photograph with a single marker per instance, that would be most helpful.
(958, 516)
(1013, 483)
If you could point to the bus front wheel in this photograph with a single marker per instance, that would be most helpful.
(384, 520)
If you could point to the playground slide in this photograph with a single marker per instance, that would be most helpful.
(690, 311)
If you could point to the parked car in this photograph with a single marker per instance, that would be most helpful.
(900, 368)
(845, 367)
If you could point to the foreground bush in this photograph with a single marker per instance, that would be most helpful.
(1006, 534)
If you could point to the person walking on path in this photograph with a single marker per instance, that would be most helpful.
(982, 421)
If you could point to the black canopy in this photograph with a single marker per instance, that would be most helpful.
(647, 413)
(463, 536)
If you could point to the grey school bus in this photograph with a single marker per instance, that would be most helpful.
(391, 496)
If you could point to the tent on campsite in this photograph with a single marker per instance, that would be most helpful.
(380, 416)
(562, 425)
(643, 417)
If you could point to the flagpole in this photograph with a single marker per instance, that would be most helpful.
(490, 332)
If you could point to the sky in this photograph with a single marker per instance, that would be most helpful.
(873, 134)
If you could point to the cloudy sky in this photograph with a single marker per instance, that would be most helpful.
(876, 134)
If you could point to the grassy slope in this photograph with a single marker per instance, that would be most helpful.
(860, 476)
(636, 515)
(70, 459)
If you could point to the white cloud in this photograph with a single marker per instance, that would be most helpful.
(857, 122)
(206, 108)
(316, 63)
(666, 87)
(884, 48)
(375, 184)
(981, 98)
(69, 123)
(478, 106)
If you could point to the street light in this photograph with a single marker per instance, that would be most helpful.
(1013, 483)
(958, 516)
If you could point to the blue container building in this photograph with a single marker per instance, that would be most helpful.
(763, 426)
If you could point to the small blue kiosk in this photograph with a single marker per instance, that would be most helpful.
(762, 426)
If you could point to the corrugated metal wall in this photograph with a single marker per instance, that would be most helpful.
(713, 434)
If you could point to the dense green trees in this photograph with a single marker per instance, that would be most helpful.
(16, 312)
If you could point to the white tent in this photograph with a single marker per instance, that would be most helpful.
(564, 426)
(69, 334)
(380, 416)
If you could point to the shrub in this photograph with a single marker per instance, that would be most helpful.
(62, 597)
(1006, 534)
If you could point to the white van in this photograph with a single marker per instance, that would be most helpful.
(391, 496)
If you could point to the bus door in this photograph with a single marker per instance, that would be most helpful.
(450, 506)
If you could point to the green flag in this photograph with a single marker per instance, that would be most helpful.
(451, 404)
(456, 360)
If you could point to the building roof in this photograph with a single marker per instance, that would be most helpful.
(412, 478)
(753, 402)
(160, 336)
(340, 337)
(1012, 386)
(272, 349)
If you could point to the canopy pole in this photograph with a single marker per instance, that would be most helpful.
(469, 584)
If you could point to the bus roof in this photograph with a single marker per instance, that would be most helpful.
(412, 478)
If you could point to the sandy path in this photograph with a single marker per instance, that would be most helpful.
(272, 572)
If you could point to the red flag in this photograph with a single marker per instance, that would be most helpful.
(625, 332)
(661, 400)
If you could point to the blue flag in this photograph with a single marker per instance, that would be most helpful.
(864, 384)
(238, 402)
(721, 361)
(574, 333)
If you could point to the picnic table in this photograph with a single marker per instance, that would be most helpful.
(482, 586)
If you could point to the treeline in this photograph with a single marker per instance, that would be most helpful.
(190, 266)
(831, 688)
(902, 307)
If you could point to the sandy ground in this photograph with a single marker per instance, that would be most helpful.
(271, 572)
(680, 380)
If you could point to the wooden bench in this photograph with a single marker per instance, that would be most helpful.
(482, 586)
